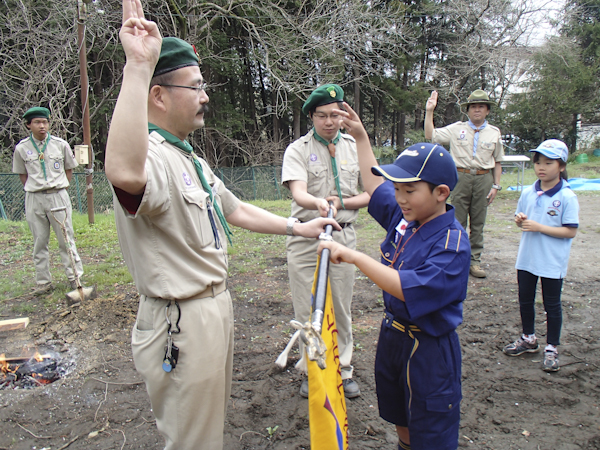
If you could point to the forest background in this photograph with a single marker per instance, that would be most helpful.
(262, 58)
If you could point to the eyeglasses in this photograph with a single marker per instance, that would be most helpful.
(198, 89)
(321, 116)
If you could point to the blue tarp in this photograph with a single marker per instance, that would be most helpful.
(577, 184)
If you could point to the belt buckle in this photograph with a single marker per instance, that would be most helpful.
(473, 171)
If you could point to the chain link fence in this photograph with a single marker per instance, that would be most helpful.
(247, 183)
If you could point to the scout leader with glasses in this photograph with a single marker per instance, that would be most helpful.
(172, 215)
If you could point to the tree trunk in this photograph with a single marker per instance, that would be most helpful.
(297, 113)
(401, 132)
(356, 106)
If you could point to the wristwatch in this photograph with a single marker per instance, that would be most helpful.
(289, 229)
(496, 186)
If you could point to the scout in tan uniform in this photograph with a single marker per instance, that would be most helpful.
(172, 218)
(476, 147)
(319, 167)
(45, 165)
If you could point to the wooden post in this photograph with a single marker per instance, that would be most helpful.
(81, 12)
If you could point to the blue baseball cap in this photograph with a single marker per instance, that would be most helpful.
(553, 149)
(421, 162)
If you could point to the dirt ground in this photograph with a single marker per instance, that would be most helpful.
(508, 404)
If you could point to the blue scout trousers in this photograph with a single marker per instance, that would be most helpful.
(418, 380)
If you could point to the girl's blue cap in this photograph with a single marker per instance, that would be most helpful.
(553, 149)
(421, 162)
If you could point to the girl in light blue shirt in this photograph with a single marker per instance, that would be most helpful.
(548, 214)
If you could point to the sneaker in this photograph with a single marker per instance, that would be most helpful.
(521, 346)
(351, 389)
(550, 363)
(477, 271)
(304, 388)
(42, 289)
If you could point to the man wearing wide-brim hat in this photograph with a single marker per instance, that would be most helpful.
(45, 166)
(320, 167)
(476, 147)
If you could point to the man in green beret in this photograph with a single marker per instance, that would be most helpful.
(318, 168)
(45, 166)
(172, 216)
(476, 147)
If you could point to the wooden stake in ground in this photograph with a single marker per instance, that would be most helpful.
(14, 324)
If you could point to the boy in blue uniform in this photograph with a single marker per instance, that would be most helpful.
(423, 272)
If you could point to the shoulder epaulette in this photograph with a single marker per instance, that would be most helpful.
(347, 136)
(453, 240)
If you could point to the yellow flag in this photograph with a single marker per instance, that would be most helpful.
(327, 414)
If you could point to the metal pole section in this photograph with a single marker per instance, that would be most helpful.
(87, 140)
(322, 276)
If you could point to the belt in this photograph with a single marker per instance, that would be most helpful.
(404, 328)
(49, 191)
(213, 290)
(473, 171)
(210, 291)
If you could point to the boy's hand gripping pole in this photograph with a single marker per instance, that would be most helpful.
(310, 332)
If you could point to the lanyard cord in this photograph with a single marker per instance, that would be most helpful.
(399, 250)
(41, 152)
(331, 147)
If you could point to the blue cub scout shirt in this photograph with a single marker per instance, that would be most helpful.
(432, 261)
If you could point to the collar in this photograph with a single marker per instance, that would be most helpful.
(483, 125)
(550, 192)
(325, 142)
(171, 138)
(433, 226)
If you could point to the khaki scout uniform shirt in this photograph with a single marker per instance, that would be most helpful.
(459, 137)
(308, 160)
(58, 158)
(168, 244)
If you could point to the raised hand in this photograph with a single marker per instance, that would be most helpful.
(350, 121)
(140, 37)
(431, 102)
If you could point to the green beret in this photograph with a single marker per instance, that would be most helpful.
(35, 112)
(323, 95)
(175, 54)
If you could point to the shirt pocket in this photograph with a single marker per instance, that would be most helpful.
(317, 180)
(199, 231)
(349, 179)
(32, 163)
(55, 160)
(487, 147)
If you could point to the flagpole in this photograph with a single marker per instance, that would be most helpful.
(322, 275)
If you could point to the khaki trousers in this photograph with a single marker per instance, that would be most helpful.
(39, 218)
(190, 402)
(302, 263)
(469, 199)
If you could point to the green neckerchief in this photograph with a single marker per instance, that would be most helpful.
(41, 152)
(185, 146)
(331, 147)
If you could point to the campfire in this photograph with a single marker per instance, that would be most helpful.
(27, 372)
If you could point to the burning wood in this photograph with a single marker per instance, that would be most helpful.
(28, 372)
